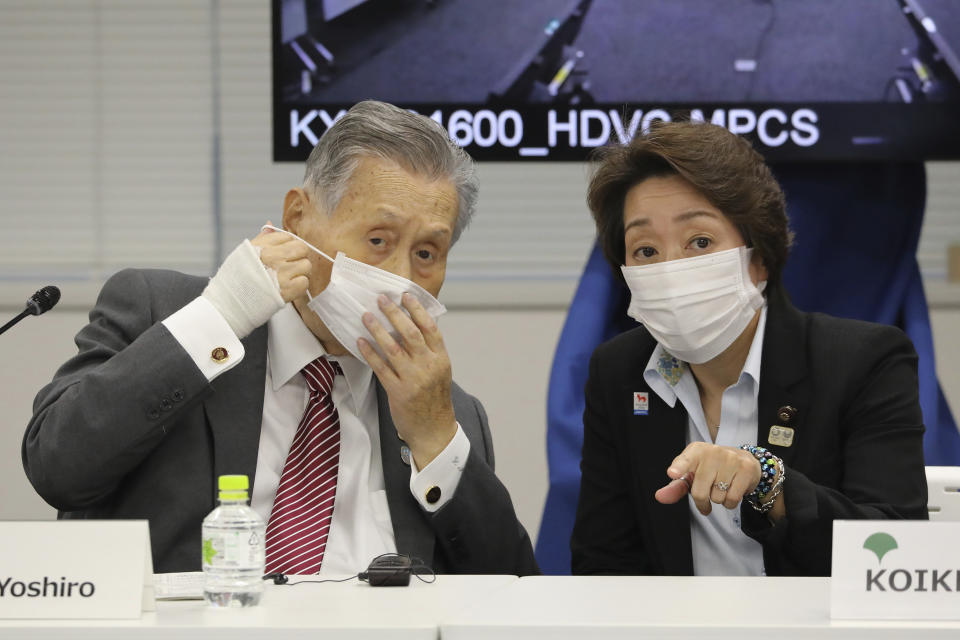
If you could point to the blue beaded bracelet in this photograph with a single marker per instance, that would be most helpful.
(771, 482)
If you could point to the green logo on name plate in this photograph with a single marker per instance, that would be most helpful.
(880, 543)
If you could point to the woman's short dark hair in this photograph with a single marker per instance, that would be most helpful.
(723, 167)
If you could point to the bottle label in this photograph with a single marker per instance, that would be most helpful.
(233, 550)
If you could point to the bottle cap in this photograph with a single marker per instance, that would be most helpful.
(233, 487)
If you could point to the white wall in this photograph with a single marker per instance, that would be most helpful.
(945, 322)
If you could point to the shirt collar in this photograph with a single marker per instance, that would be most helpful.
(751, 367)
(291, 345)
(663, 385)
(663, 371)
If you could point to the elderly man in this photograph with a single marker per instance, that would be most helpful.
(335, 401)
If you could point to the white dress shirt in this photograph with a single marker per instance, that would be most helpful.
(719, 546)
(361, 527)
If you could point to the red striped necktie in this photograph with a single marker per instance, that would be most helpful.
(300, 520)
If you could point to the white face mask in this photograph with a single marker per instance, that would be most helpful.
(695, 307)
(353, 290)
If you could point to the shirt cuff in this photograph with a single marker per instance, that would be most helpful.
(206, 337)
(434, 486)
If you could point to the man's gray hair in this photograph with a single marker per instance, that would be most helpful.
(377, 129)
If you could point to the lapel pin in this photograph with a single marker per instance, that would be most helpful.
(786, 414)
(641, 403)
(405, 454)
(780, 436)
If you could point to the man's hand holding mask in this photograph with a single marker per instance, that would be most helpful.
(416, 375)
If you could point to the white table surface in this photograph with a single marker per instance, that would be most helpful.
(600, 607)
(352, 610)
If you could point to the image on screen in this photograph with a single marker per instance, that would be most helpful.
(805, 80)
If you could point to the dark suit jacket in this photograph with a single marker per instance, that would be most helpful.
(857, 450)
(130, 428)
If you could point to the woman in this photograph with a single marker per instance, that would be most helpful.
(773, 421)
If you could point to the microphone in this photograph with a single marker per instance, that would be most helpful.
(40, 302)
(43, 300)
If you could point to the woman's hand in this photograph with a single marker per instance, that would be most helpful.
(712, 474)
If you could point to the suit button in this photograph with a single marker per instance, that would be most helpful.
(433, 495)
(177, 395)
(786, 413)
(153, 414)
(166, 404)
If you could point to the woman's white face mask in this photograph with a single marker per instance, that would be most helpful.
(353, 290)
(695, 307)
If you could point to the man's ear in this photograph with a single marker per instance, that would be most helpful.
(294, 208)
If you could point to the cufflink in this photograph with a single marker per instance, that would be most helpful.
(219, 355)
(433, 495)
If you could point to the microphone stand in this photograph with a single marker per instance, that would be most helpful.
(23, 314)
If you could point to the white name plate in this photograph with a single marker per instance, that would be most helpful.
(895, 570)
(75, 569)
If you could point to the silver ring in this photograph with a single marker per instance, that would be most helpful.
(721, 485)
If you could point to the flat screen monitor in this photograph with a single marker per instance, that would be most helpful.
(805, 80)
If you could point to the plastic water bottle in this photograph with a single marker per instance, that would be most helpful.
(233, 548)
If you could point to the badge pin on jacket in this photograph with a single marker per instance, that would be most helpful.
(641, 403)
(780, 436)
